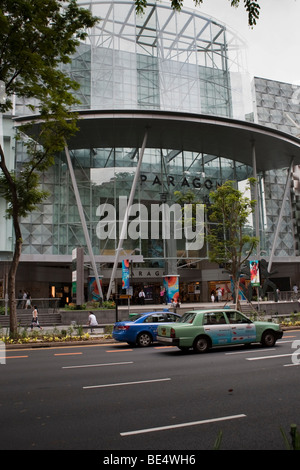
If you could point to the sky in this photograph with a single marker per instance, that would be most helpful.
(273, 43)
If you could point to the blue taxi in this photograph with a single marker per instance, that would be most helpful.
(143, 330)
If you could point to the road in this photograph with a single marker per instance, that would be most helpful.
(113, 397)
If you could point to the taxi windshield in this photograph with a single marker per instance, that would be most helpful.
(187, 317)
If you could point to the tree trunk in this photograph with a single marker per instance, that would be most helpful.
(13, 323)
(18, 248)
(236, 294)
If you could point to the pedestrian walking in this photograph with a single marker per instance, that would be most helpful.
(24, 299)
(162, 295)
(35, 321)
(28, 301)
(295, 291)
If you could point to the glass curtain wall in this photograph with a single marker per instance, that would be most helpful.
(162, 61)
(105, 176)
(278, 106)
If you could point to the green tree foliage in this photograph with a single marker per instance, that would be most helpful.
(251, 7)
(188, 197)
(36, 36)
(229, 237)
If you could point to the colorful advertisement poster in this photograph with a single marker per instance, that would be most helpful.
(171, 285)
(254, 273)
(125, 274)
(241, 293)
(93, 292)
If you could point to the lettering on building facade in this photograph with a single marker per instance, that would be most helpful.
(194, 182)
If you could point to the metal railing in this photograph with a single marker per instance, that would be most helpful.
(284, 296)
(50, 305)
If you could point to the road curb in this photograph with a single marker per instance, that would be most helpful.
(57, 344)
(84, 342)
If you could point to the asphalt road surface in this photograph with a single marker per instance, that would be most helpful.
(116, 398)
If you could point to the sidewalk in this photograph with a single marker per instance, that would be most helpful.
(125, 310)
(99, 331)
(157, 307)
(98, 336)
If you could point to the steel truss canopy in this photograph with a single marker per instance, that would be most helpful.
(219, 136)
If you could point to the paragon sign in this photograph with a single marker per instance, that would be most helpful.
(194, 182)
(159, 221)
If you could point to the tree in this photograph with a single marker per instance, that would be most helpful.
(189, 198)
(251, 7)
(36, 36)
(229, 243)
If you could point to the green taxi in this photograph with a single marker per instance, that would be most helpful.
(204, 329)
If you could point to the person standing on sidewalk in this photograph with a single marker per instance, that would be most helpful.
(142, 297)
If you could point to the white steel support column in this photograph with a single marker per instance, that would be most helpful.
(126, 216)
(83, 221)
(287, 187)
(256, 212)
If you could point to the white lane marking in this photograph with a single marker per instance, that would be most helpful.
(182, 425)
(257, 350)
(98, 365)
(127, 383)
(266, 357)
(288, 341)
(290, 365)
(247, 352)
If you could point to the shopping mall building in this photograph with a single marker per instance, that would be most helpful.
(167, 106)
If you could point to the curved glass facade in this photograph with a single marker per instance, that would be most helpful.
(161, 60)
(182, 66)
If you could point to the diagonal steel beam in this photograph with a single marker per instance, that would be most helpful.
(287, 188)
(125, 221)
(83, 221)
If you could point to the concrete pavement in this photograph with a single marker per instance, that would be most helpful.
(125, 310)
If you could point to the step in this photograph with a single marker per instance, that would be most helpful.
(24, 319)
(246, 308)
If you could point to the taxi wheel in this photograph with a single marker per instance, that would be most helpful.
(144, 340)
(268, 339)
(201, 344)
